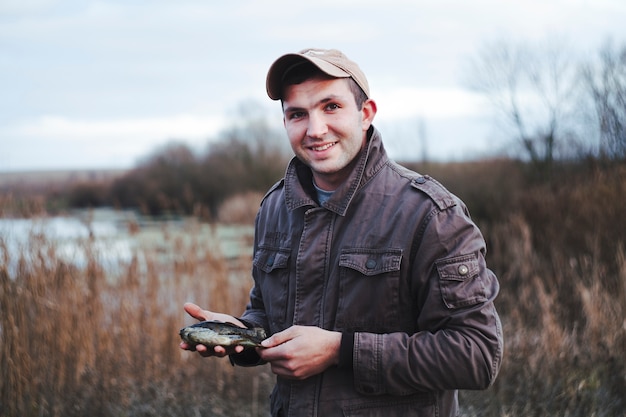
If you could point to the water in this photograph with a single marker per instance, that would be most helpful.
(113, 237)
(73, 239)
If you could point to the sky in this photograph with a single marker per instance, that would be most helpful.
(87, 84)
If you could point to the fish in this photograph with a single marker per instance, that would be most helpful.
(216, 333)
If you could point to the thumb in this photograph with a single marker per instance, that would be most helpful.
(196, 312)
(279, 338)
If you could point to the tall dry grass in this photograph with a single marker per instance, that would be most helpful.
(80, 341)
(83, 341)
(561, 259)
(565, 333)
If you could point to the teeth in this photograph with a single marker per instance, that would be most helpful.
(323, 147)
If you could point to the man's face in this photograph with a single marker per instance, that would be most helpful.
(326, 130)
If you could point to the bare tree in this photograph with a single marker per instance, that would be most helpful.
(605, 80)
(532, 89)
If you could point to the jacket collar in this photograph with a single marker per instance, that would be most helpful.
(299, 190)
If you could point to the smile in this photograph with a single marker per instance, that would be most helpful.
(323, 147)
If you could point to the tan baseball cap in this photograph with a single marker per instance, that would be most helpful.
(330, 61)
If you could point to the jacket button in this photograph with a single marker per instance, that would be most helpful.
(463, 269)
(270, 261)
(370, 264)
(420, 180)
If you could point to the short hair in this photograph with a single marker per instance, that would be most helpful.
(305, 70)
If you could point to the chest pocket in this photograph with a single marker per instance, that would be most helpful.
(369, 289)
(269, 259)
(272, 277)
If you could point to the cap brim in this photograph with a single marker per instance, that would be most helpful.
(276, 73)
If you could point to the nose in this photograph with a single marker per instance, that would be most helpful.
(317, 126)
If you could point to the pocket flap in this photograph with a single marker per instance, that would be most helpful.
(269, 259)
(460, 282)
(371, 261)
(458, 269)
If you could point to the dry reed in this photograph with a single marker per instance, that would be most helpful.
(83, 341)
(565, 333)
(80, 341)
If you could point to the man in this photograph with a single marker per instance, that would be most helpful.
(370, 278)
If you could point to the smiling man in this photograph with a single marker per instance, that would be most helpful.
(370, 278)
(326, 127)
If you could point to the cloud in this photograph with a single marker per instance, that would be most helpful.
(113, 79)
(49, 142)
(61, 128)
(26, 7)
(428, 103)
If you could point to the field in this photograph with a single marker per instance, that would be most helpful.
(82, 340)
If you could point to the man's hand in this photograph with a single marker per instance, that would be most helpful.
(301, 351)
(198, 313)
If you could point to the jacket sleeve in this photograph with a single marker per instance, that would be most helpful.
(254, 316)
(458, 344)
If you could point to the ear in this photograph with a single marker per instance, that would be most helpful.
(368, 112)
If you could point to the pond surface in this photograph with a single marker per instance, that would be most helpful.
(113, 237)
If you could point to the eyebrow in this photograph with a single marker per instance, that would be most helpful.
(332, 97)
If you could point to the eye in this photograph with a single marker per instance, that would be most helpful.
(295, 115)
(332, 107)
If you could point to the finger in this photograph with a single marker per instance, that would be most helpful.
(202, 348)
(207, 352)
(269, 355)
(187, 346)
(279, 370)
(228, 350)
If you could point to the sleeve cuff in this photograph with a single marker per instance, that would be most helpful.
(248, 357)
(346, 351)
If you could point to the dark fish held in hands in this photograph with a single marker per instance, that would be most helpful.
(217, 333)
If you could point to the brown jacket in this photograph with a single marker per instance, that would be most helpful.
(394, 258)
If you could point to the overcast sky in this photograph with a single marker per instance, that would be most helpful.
(99, 84)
